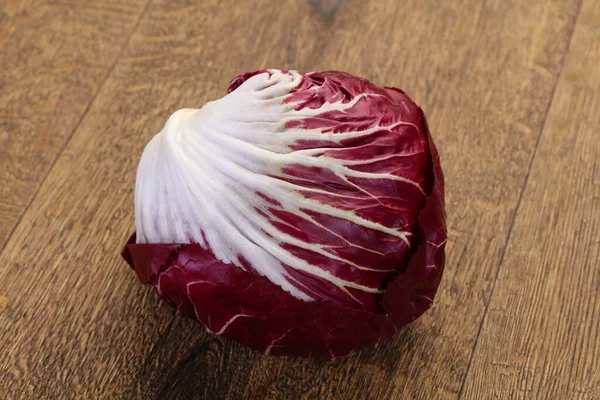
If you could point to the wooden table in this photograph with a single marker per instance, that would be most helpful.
(512, 92)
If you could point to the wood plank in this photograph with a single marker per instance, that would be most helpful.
(541, 336)
(86, 327)
(54, 57)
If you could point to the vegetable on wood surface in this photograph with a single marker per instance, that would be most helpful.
(301, 214)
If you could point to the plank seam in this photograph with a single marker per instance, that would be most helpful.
(85, 112)
(515, 213)
(150, 358)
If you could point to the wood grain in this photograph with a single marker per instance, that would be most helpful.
(54, 57)
(74, 321)
(541, 336)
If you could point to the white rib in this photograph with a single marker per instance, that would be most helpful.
(220, 332)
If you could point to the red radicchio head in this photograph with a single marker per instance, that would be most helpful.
(301, 214)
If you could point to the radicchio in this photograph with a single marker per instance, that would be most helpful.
(301, 214)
